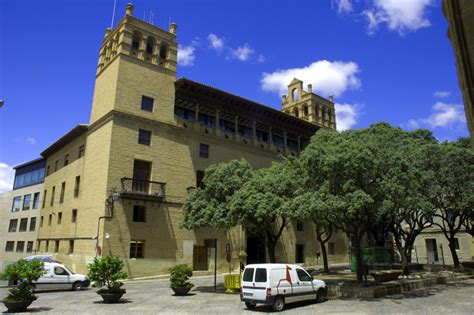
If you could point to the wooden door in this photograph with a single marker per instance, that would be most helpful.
(200, 258)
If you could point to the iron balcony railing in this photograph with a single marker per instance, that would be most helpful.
(134, 186)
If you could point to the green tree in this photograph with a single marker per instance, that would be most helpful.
(107, 272)
(451, 190)
(24, 273)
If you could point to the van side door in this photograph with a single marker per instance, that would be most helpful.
(304, 285)
(60, 278)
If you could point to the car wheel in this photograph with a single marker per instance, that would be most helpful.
(250, 305)
(321, 295)
(77, 286)
(278, 304)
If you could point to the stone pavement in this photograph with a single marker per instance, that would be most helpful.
(155, 296)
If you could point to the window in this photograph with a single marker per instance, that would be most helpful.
(248, 274)
(299, 253)
(81, 152)
(295, 95)
(16, 204)
(36, 198)
(33, 224)
(261, 275)
(47, 246)
(147, 103)
(50, 219)
(456, 243)
(59, 271)
(136, 249)
(299, 226)
(60, 217)
(305, 111)
(136, 39)
(29, 175)
(29, 247)
(41, 221)
(23, 224)
(144, 136)
(331, 249)
(56, 246)
(262, 135)
(13, 225)
(66, 159)
(204, 150)
(20, 247)
(9, 246)
(74, 216)
(150, 43)
(77, 184)
(71, 247)
(302, 275)
(139, 213)
(185, 114)
(61, 196)
(56, 164)
(48, 170)
(227, 126)
(26, 202)
(38, 245)
(44, 199)
(206, 120)
(199, 178)
(52, 196)
(163, 51)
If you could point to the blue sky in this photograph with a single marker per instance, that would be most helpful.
(384, 60)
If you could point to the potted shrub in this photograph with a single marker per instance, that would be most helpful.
(106, 272)
(22, 273)
(179, 278)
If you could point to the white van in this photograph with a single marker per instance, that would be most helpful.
(278, 284)
(59, 277)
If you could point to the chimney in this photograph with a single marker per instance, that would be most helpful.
(173, 27)
(331, 98)
(129, 9)
(310, 88)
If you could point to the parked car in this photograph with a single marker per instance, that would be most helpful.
(279, 284)
(57, 276)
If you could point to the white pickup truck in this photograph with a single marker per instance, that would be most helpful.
(58, 277)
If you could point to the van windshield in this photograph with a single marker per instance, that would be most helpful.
(261, 275)
(248, 274)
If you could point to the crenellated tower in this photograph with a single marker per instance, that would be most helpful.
(308, 105)
(137, 63)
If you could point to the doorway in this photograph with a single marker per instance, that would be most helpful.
(255, 250)
(200, 258)
(431, 251)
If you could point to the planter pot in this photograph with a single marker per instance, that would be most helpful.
(17, 306)
(111, 297)
(181, 291)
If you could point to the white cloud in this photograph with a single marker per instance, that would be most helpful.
(215, 42)
(343, 6)
(31, 140)
(326, 77)
(243, 53)
(441, 94)
(186, 55)
(261, 58)
(6, 177)
(443, 116)
(399, 15)
(346, 115)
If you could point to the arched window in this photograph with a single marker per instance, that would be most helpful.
(294, 93)
(295, 112)
(150, 43)
(305, 110)
(163, 51)
(136, 39)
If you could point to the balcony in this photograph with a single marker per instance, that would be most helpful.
(140, 189)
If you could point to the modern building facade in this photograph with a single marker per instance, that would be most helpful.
(20, 212)
(116, 185)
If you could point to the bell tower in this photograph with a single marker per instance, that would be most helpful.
(137, 60)
(308, 105)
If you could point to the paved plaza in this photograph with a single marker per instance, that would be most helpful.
(155, 296)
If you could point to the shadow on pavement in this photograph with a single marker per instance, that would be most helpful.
(33, 310)
(121, 301)
(210, 289)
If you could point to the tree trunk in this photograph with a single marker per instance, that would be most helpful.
(325, 256)
(403, 257)
(454, 254)
(271, 244)
(359, 260)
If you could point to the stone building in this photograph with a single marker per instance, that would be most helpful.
(116, 185)
(19, 212)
